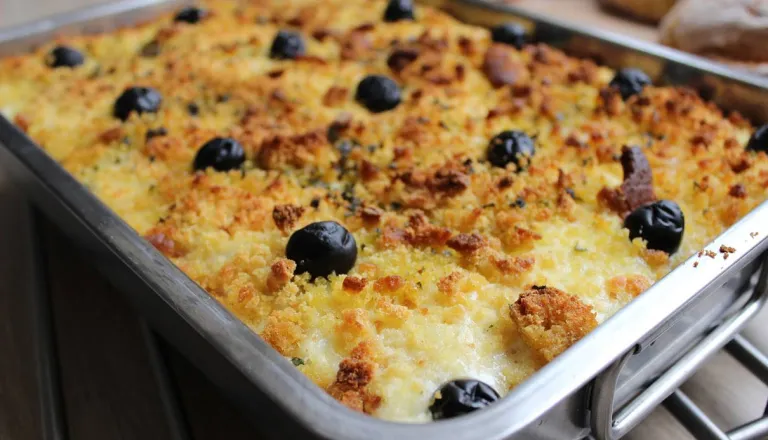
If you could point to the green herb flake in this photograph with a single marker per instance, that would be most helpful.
(296, 361)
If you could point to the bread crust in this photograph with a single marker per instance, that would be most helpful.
(736, 31)
(645, 10)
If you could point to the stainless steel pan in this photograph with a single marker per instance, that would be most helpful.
(630, 363)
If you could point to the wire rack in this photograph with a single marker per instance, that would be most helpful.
(53, 410)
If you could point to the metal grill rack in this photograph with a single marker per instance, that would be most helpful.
(53, 411)
(701, 426)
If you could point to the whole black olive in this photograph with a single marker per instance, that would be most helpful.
(139, 100)
(759, 140)
(287, 45)
(322, 248)
(190, 14)
(630, 82)
(511, 147)
(378, 93)
(461, 396)
(63, 56)
(509, 33)
(222, 154)
(399, 10)
(661, 224)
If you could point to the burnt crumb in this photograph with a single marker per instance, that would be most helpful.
(155, 132)
(222, 98)
(193, 109)
(488, 205)
(535, 287)
(726, 249)
(738, 191)
(349, 196)
(695, 264)
(637, 187)
(401, 58)
(337, 128)
(396, 206)
(519, 203)
(315, 203)
(504, 182)
(150, 50)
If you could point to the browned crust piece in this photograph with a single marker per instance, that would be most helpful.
(549, 320)
(650, 11)
(637, 188)
(352, 379)
(737, 31)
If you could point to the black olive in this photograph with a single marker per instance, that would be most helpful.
(511, 147)
(378, 93)
(630, 82)
(661, 224)
(191, 15)
(287, 45)
(223, 154)
(461, 396)
(509, 33)
(322, 248)
(759, 140)
(139, 100)
(63, 56)
(399, 10)
(193, 109)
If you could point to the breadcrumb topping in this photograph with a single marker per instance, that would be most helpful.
(448, 244)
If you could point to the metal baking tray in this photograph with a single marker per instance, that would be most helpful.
(602, 386)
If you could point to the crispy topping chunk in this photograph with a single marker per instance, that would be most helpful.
(550, 320)
(354, 284)
(501, 69)
(280, 273)
(286, 216)
(467, 243)
(637, 188)
(354, 376)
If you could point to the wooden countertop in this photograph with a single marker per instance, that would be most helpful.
(108, 385)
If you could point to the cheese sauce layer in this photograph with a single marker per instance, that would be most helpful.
(467, 266)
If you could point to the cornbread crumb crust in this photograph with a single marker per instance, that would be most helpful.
(550, 321)
(448, 245)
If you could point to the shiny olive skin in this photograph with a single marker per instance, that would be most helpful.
(511, 146)
(378, 93)
(221, 154)
(322, 248)
(139, 100)
(661, 224)
(630, 82)
(64, 56)
(461, 396)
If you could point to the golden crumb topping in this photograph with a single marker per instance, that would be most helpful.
(466, 172)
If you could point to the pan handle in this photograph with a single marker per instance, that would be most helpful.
(609, 425)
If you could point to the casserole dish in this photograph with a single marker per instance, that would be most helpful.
(750, 236)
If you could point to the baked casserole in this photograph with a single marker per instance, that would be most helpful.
(417, 213)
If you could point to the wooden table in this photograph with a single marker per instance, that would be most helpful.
(108, 386)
